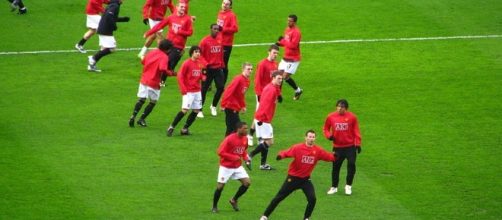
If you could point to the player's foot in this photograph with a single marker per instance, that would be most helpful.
(297, 94)
(170, 131)
(141, 122)
(131, 122)
(266, 167)
(185, 131)
(234, 204)
(214, 111)
(200, 115)
(80, 48)
(250, 140)
(91, 60)
(264, 218)
(22, 11)
(93, 68)
(214, 210)
(348, 190)
(332, 190)
(14, 6)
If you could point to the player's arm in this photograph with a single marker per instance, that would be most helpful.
(285, 153)
(181, 77)
(157, 27)
(232, 26)
(171, 7)
(225, 153)
(188, 31)
(327, 129)
(326, 156)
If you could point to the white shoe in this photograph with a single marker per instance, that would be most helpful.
(250, 140)
(200, 115)
(91, 60)
(348, 190)
(80, 48)
(214, 111)
(332, 190)
(264, 218)
(93, 68)
(266, 167)
(141, 56)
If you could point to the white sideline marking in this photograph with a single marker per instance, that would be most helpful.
(303, 42)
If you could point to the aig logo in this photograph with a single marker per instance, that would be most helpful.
(341, 126)
(176, 27)
(215, 49)
(239, 150)
(195, 72)
(308, 159)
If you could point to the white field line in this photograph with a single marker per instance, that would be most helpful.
(303, 42)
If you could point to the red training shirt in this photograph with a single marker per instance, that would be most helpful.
(212, 51)
(344, 128)
(180, 28)
(232, 149)
(234, 95)
(95, 7)
(291, 43)
(156, 9)
(190, 76)
(228, 21)
(154, 65)
(264, 74)
(305, 159)
(268, 102)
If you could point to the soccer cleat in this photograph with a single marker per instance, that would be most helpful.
(131, 122)
(214, 112)
(141, 122)
(263, 218)
(22, 11)
(214, 210)
(234, 204)
(348, 190)
(200, 115)
(332, 190)
(297, 95)
(93, 68)
(91, 60)
(80, 48)
(185, 131)
(250, 140)
(266, 167)
(170, 131)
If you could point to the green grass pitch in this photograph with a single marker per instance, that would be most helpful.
(429, 112)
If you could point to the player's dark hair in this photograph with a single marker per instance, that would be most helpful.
(309, 131)
(342, 103)
(193, 49)
(273, 47)
(240, 124)
(294, 17)
(165, 45)
(213, 24)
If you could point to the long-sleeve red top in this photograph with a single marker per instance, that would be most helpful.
(234, 95)
(268, 102)
(263, 74)
(291, 43)
(212, 51)
(344, 128)
(190, 76)
(156, 9)
(228, 21)
(180, 28)
(95, 7)
(305, 159)
(154, 65)
(233, 150)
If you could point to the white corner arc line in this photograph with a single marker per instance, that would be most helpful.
(303, 42)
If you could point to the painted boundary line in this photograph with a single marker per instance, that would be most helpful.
(303, 42)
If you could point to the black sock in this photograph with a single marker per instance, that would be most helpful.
(191, 118)
(100, 54)
(240, 192)
(264, 154)
(292, 83)
(148, 109)
(137, 107)
(178, 118)
(251, 131)
(216, 197)
(82, 42)
(257, 150)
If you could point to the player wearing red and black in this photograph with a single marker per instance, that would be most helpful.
(155, 71)
(291, 59)
(153, 12)
(232, 151)
(305, 157)
(212, 52)
(342, 128)
(93, 11)
(180, 28)
(227, 20)
(234, 100)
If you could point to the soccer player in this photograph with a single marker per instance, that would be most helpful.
(212, 52)
(227, 20)
(18, 4)
(262, 78)
(291, 59)
(154, 75)
(234, 100)
(107, 25)
(190, 77)
(180, 28)
(93, 10)
(232, 151)
(153, 12)
(305, 157)
(341, 127)
(263, 118)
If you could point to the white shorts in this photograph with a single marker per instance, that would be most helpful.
(145, 91)
(93, 21)
(153, 23)
(263, 131)
(289, 67)
(107, 41)
(192, 100)
(224, 174)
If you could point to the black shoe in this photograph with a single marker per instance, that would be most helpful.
(234, 204)
(131, 122)
(170, 131)
(141, 122)
(22, 11)
(297, 95)
(185, 131)
(214, 210)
